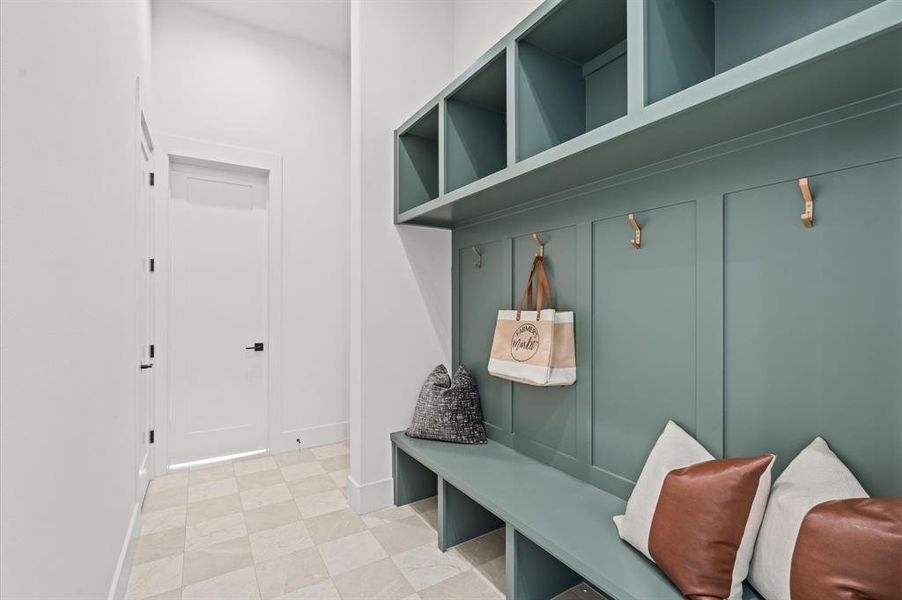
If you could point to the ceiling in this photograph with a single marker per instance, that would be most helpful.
(323, 23)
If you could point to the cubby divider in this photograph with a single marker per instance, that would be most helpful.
(460, 518)
(412, 481)
(571, 74)
(531, 572)
(476, 126)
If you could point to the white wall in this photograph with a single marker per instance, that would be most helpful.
(222, 81)
(67, 292)
(479, 24)
(400, 276)
(402, 54)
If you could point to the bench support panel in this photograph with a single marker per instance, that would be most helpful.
(531, 573)
(412, 481)
(460, 518)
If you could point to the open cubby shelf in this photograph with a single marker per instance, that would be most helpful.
(476, 126)
(418, 162)
(571, 73)
(584, 90)
(688, 41)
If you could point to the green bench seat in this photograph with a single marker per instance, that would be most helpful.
(559, 529)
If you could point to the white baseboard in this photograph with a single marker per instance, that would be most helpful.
(370, 496)
(310, 437)
(124, 565)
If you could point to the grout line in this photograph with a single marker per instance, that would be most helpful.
(184, 527)
(254, 567)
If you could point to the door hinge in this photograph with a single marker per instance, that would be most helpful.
(152, 265)
(150, 437)
(151, 179)
(150, 350)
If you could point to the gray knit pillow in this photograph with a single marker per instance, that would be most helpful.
(448, 409)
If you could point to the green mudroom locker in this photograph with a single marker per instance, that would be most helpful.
(707, 196)
(756, 147)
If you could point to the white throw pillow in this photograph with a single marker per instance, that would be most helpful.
(816, 475)
(676, 449)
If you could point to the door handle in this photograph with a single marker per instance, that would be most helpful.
(257, 347)
(146, 366)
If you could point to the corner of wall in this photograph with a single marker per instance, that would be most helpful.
(400, 278)
(119, 585)
(371, 496)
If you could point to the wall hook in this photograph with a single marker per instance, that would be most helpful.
(540, 251)
(808, 215)
(637, 237)
(477, 257)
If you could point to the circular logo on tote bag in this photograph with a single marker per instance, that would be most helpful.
(525, 342)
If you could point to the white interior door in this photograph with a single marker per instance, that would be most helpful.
(217, 311)
(144, 215)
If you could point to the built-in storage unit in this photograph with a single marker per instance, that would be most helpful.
(730, 252)
(476, 126)
(734, 318)
(417, 162)
(585, 90)
(571, 73)
(688, 41)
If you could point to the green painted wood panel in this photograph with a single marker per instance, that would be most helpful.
(481, 293)
(417, 171)
(606, 93)
(688, 41)
(745, 30)
(487, 88)
(545, 419)
(459, 518)
(476, 126)
(412, 481)
(556, 100)
(530, 572)
(579, 30)
(709, 323)
(475, 143)
(644, 333)
(418, 162)
(679, 45)
(867, 137)
(550, 100)
(812, 321)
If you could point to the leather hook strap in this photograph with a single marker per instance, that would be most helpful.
(527, 292)
(543, 289)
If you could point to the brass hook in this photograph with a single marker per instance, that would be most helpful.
(808, 215)
(541, 246)
(637, 238)
(477, 257)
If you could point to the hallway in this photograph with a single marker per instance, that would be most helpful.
(450, 299)
(279, 527)
(275, 525)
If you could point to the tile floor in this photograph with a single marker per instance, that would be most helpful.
(279, 527)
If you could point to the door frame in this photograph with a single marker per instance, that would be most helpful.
(148, 223)
(169, 148)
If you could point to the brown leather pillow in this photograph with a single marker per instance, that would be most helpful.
(849, 550)
(700, 524)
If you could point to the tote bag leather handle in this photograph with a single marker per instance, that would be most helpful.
(543, 289)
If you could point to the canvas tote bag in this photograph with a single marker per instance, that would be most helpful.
(534, 346)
